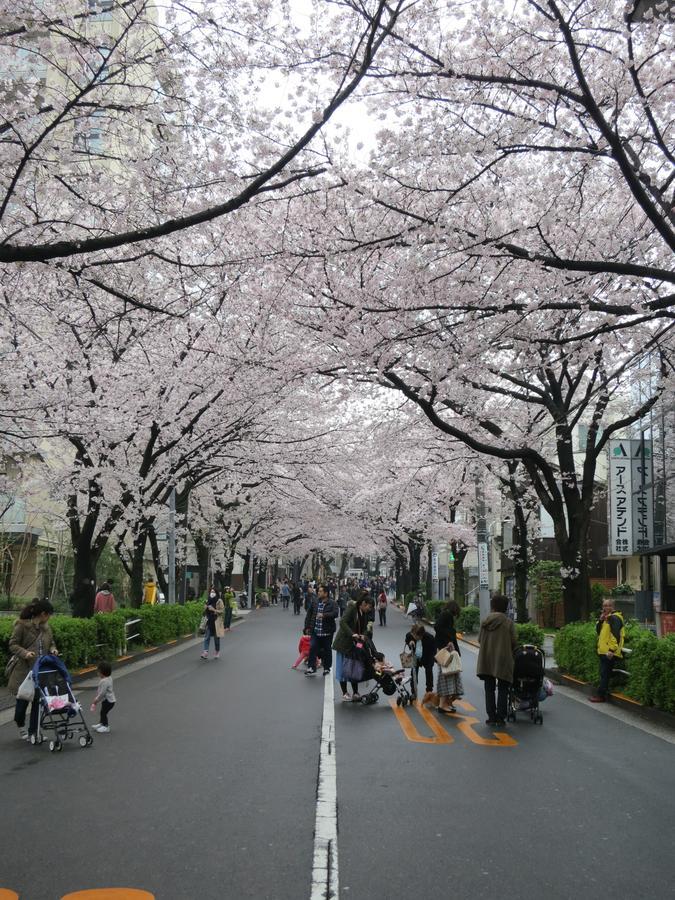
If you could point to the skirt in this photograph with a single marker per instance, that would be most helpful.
(449, 685)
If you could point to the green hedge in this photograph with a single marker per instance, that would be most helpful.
(433, 608)
(84, 641)
(468, 619)
(529, 633)
(651, 664)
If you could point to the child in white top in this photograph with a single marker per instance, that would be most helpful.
(105, 695)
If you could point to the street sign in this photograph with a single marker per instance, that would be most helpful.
(631, 497)
(434, 566)
(483, 569)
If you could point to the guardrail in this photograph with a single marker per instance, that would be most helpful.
(130, 637)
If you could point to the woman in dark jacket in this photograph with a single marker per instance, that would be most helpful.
(444, 627)
(353, 625)
(423, 647)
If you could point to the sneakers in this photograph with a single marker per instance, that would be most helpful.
(205, 655)
(346, 698)
(102, 729)
(23, 734)
(326, 671)
(596, 698)
(310, 672)
(217, 656)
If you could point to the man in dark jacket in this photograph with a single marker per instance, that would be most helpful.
(320, 625)
(495, 659)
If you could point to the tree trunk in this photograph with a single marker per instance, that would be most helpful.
(415, 554)
(459, 551)
(136, 573)
(430, 585)
(202, 553)
(157, 562)
(521, 564)
(84, 580)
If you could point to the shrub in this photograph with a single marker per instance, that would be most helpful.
(597, 596)
(433, 608)
(75, 639)
(575, 650)
(6, 625)
(468, 619)
(110, 633)
(622, 590)
(664, 673)
(529, 633)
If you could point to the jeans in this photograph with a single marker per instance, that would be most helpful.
(606, 666)
(227, 621)
(208, 634)
(106, 706)
(496, 712)
(297, 605)
(383, 616)
(321, 646)
(20, 710)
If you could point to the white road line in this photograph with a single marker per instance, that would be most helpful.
(325, 884)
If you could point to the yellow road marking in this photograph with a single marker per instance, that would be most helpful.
(150, 649)
(6, 894)
(410, 731)
(110, 894)
(465, 705)
(500, 739)
(81, 672)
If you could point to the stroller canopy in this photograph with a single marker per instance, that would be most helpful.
(49, 661)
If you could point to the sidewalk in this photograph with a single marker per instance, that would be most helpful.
(79, 675)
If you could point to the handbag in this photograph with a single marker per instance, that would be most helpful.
(11, 665)
(442, 657)
(26, 688)
(406, 658)
(352, 669)
(454, 665)
(202, 625)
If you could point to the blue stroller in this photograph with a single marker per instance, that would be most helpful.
(60, 717)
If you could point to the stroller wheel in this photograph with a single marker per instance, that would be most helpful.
(90, 740)
(33, 739)
(83, 741)
(540, 719)
(55, 745)
(398, 701)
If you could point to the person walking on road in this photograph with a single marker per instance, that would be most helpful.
(497, 640)
(230, 604)
(285, 593)
(611, 632)
(423, 647)
(320, 625)
(105, 695)
(215, 628)
(104, 602)
(353, 626)
(297, 598)
(444, 626)
(31, 637)
(382, 606)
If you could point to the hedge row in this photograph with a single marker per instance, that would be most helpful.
(83, 641)
(651, 664)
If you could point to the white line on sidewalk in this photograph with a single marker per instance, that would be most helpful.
(325, 884)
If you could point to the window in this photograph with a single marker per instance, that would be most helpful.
(101, 9)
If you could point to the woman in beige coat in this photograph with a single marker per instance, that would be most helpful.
(31, 637)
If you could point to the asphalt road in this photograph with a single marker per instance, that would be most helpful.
(206, 788)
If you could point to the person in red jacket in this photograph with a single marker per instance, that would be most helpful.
(104, 602)
(303, 649)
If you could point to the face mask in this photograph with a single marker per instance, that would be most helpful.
(212, 595)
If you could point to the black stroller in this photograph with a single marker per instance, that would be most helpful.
(388, 682)
(60, 714)
(528, 683)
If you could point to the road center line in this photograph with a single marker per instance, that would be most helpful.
(325, 884)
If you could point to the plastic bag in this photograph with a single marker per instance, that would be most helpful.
(26, 688)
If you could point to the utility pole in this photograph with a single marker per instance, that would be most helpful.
(251, 560)
(171, 547)
(482, 547)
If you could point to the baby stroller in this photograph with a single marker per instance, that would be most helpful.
(60, 714)
(389, 682)
(528, 681)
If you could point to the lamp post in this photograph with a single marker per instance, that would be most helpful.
(171, 547)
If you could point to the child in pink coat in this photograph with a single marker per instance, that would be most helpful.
(303, 650)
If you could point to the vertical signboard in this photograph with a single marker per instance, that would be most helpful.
(483, 567)
(434, 566)
(631, 497)
(642, 475)
(620, 499)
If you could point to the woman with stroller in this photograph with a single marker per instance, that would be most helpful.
(215, 627)
(423, 648)
(31, 637)
(353, 627)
